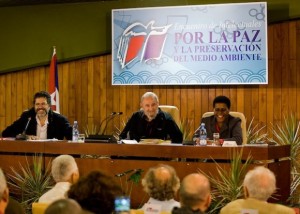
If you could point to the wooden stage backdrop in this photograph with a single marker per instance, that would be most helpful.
(86, 93)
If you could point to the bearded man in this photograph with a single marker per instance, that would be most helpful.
(40, 122)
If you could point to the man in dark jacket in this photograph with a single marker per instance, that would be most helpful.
(40, 122)
(151, 122)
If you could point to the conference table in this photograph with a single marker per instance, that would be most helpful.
(115, 158)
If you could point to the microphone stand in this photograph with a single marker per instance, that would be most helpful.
(100, 137)
(23, 136)
(112, 117)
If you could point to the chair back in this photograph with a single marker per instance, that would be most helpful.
(235, 114)
(39, 208)
(173, 111)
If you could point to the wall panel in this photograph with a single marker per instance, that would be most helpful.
(86, 93)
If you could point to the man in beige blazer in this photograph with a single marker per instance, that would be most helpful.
(259, 185)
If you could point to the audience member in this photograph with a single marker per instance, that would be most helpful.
(40, 122)
(65, 172)
(4, 193)
(222, 122)
(161, 184)
(96, 192)
(151, 122)
(195, 197)
(64, 206)
(14, 207)
(259, 185)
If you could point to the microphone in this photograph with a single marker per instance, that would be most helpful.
(109, 119)
(100, 137)
(105, 119)
(22, 136)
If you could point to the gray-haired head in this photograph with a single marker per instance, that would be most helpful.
(64, 206)
(260, 183)
(149, 94)
(3, 184)
(63, 167)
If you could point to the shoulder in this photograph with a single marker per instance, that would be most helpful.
(164, 114)
(281, 208)
(234, 120)
(28, 113)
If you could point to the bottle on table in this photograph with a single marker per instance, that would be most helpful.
(75, 132)
(203, 135)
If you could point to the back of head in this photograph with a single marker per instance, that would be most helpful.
(161, 182)
(195, 191)
(95, 192)
(222, 99)
(64, 206)
(4, 194)
(3, 184)
(63, 167)
(260, 183)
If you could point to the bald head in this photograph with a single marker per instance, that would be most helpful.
(195, 191)
(161, 182)
(64, 206)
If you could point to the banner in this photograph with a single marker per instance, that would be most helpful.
(53, 83)
(220, 44)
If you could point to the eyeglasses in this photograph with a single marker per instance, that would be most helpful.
(221, 109)
(41, 104)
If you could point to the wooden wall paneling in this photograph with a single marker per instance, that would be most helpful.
(13, 95)
(198, 108)
(2, 102)
(177, 99)
(72, 93)
(90, 96)
(109, 94)
(255, 104)
(262, 104)
(270, 87)
(19, 95)
(94, 120)
(84, 97)
(297, 44)
(8, 100)
(25, 93)
(292, 67)
(240, 98)
(277, 53)
(63, 81)
(205, 105)
(286, 98)
(292, 40)
(191, 103)
(102, 85)
(184, 101)
(170, 95)
(233, 97)
(247, 106)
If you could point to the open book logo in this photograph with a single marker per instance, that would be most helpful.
(141, 43)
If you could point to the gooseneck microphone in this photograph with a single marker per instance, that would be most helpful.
(109, 119)
(22, 136)
(105, 119)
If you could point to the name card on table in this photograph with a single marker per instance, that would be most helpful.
(229, 144)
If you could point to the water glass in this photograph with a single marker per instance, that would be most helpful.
(81, 138)
(216, 137)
